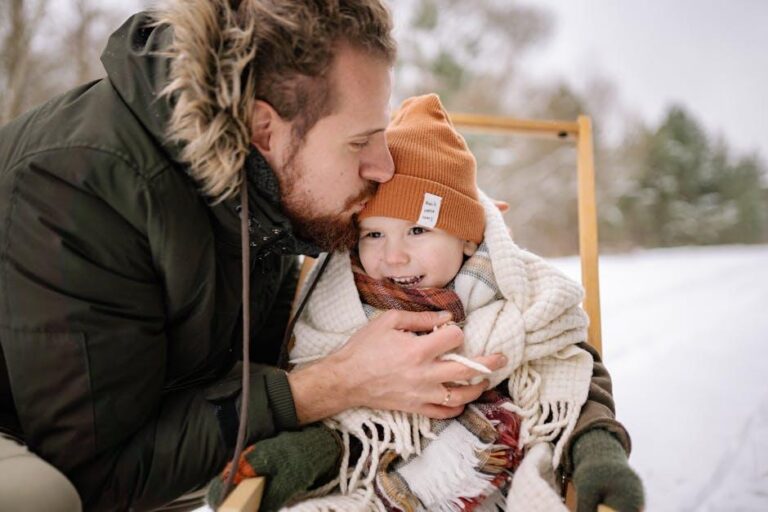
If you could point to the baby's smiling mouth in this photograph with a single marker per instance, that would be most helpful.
(407, 282)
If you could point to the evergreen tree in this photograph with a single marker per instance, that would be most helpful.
(688, 191)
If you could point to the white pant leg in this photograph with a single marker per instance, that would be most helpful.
(30, 484)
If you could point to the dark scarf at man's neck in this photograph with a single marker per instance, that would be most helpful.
(267, 224)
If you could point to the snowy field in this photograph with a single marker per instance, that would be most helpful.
(685, 335)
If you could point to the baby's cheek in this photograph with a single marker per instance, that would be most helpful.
(450, 261)
(365, 254)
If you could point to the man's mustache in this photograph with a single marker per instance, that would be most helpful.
(368, 191)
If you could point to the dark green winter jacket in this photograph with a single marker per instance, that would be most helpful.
(120, 292)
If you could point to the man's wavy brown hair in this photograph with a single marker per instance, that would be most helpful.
(226, 54)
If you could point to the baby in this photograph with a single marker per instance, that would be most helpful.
(430, 240)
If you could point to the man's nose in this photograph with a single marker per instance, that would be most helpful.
(379, 166)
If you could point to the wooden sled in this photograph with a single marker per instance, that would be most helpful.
(246, 497)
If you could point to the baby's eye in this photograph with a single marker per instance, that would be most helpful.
(372, 234)
(418, 230)
(360, 144)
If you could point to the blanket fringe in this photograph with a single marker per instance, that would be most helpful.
(542, 421)
(384, 430)
(448, 471)
(443, 478)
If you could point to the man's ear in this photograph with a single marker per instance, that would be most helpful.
(264, 122)
(469, 248)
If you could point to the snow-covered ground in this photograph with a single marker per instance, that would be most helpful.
(685, 335)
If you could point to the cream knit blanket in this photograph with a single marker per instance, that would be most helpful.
(536, 325)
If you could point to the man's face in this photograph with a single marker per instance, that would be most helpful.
(410, 255)
(327, 179)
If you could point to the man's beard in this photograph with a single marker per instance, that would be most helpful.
(330, 232)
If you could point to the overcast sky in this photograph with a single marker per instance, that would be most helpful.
(709, 55)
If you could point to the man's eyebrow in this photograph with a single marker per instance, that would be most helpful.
(367, 133)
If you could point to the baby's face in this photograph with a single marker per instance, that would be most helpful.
(410, 255)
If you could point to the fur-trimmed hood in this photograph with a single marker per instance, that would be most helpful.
(179, 69)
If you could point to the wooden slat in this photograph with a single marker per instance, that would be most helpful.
(563, 130)
(581, 131)
(570, 500)
(588, 247)
(246, 497)
(306, 266)
(570, 497)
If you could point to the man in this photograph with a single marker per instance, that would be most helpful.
(120, 306)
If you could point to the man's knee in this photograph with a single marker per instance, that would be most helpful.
(31, 484)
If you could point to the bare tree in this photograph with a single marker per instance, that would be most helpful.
(47, 48)
(80, 39)
(22, 20)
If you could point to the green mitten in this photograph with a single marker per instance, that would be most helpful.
(602, 474)
(293, 462)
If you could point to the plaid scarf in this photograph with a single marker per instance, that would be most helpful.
(383, 295)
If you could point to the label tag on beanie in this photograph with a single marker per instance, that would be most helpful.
(430, 210)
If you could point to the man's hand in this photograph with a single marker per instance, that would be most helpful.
(602, 475)
(503, 206)
(385, 365)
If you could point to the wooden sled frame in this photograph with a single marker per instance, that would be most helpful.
(246, 497)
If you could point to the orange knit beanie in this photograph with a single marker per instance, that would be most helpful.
(435, 173)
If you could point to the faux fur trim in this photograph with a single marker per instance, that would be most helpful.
(211, 107)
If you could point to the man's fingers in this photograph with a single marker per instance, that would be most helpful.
(503, 206)
(439, 412)
(493, 362)
(422, 321)
(456, 396)
(440, 341)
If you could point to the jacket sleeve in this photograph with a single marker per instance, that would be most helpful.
(179, 449)
(89, 274)
(598, 411)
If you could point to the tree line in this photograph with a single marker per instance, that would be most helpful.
(665, 184)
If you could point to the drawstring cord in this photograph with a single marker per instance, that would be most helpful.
(245, 251)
